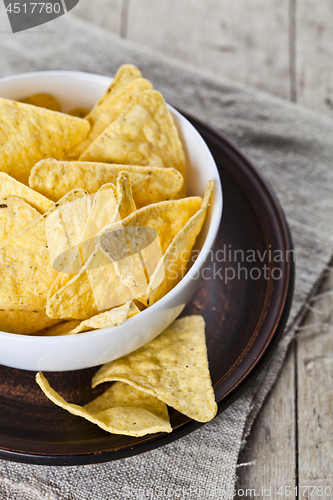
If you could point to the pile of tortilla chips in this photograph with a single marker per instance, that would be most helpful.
(95, 224)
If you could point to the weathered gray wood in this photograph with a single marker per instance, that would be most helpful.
(105, 14)
(314, 54)
(272, 441)
(315, 396)
(247, 41)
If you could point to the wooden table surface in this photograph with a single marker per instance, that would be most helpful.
(284, 47)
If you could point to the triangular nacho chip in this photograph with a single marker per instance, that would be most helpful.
(54, 179)
(173, 367)
(137, 243)
(94, 289)
(120, 410)
(108, 319)
(15, 215)
(29, 134)
(46, 101)
(26, 269)
(125, 74)
(172, 266)
(108, 110)
(25, 322)
(11, 187)
(167, 218)
(144, 134)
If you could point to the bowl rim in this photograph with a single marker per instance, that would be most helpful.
(190, 274)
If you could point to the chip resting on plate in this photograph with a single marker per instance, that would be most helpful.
(29, 134)
(122, 409)
(10, 187)
(173, 367)
(144, 134)
(54, 179)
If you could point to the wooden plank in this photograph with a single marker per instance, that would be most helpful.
(315, 397)
(247, 41)
(107, 14)
(271, 443)
(314, 49)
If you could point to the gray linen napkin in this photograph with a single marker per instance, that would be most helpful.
(293, 147)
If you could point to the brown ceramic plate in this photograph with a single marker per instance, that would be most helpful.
(245, 319)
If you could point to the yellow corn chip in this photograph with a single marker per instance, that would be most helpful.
(54, 179)
(60, 329)
(172, 266)
(64, 228)
(137, 243)
(25, 267)
(79, 112)
(15, 214)
(43, 101)
(126, 203)
(103, 212)
(94, 289)
(125, 74)
(107, 111)
(11, 187)
(167, 218)
(115, 317)
(29, 134)
(173, 367)
(120, 410)
(97, 286)
(24, 322)
(144, 134)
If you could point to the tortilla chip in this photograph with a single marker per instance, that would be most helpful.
(11, 187)
(167, 218)
(94, 289)
(172, 266)
(103, 212)
(43, 101)
(172, 367)
(120, 410)
(79, 112)
(29, 134)
(108, 319)
(125, 74)
(60, 329)
(54, 179)
(15, 214)
(25, 267)
(64, 228)
(107, 111)
(137, 243)
(126, 203)
(24, 322)
(144, 134)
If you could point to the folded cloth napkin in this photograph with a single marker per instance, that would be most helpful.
(293, 148)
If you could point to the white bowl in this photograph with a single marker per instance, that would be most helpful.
(73, 352)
